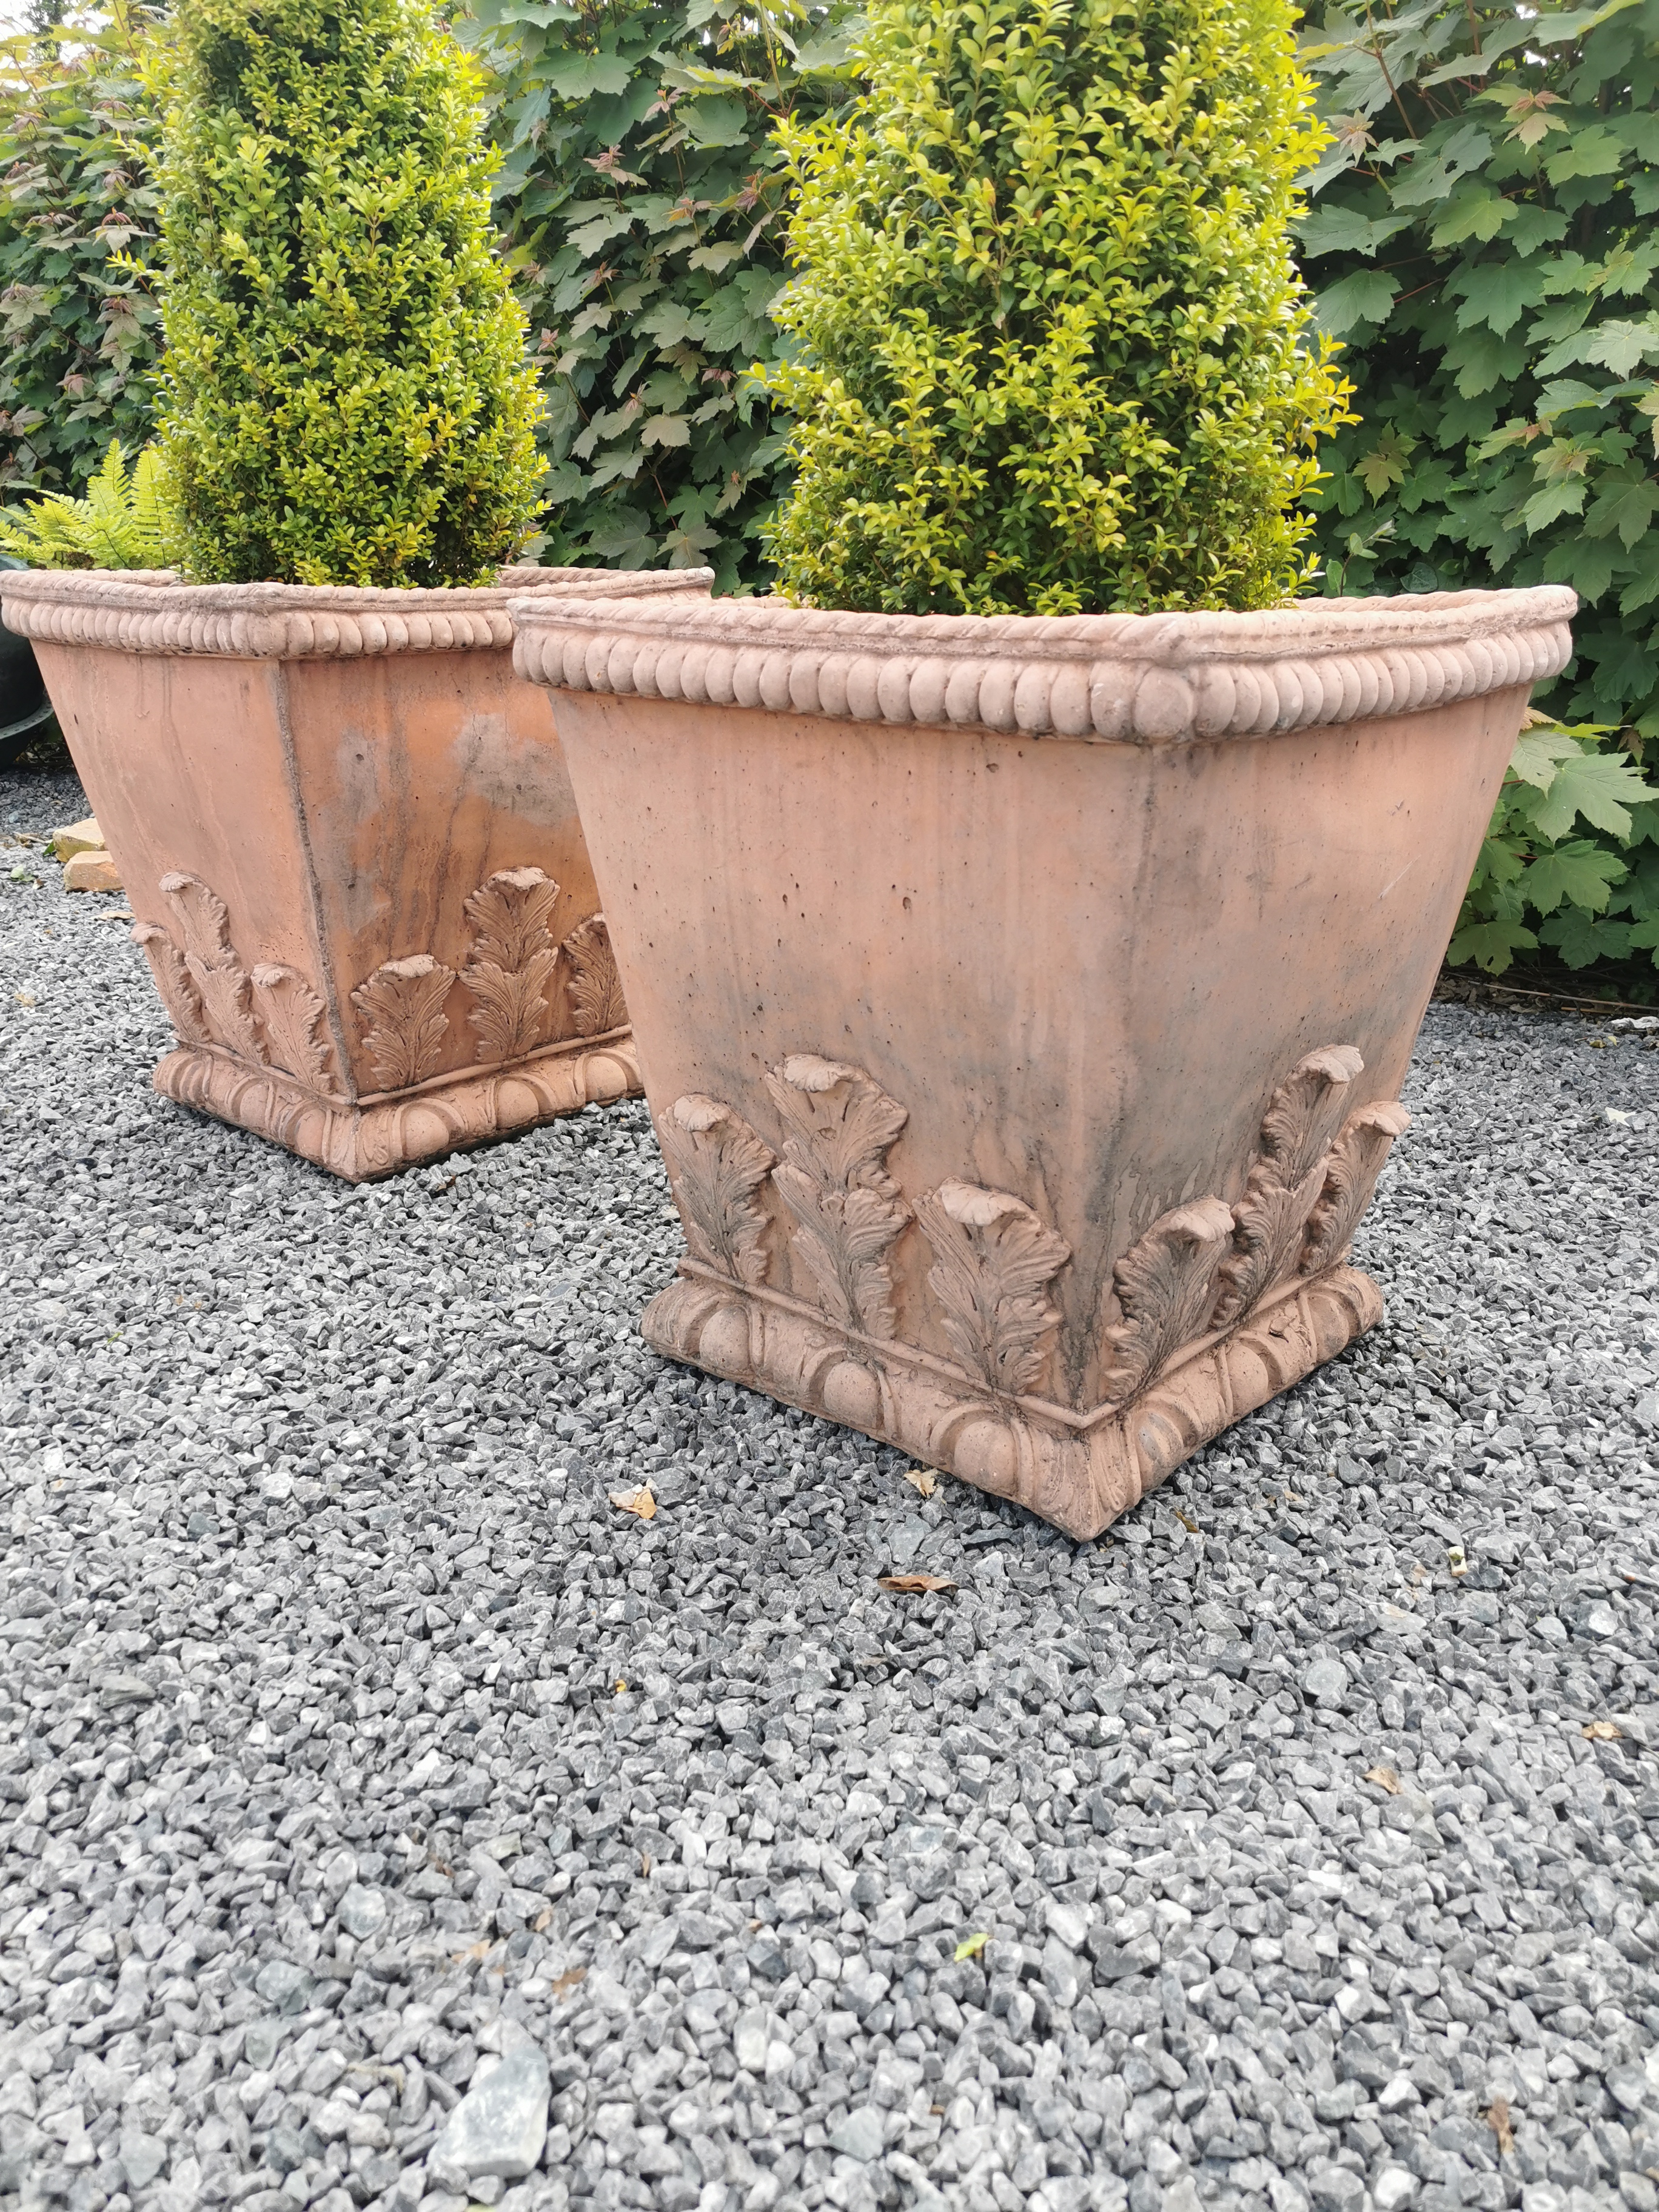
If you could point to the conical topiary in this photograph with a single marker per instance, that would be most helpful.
(1054, 354)
(346, 397)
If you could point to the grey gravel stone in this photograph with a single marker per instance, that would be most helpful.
(361, 1912)
(1288, 1848)
(499, 2128)
(859, 2135)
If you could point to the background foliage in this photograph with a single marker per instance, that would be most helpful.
(118, 524)
(78, 337)
(1485, 241)
(642, 202)
(1053, 344)
(1572, 860)
(345, 395)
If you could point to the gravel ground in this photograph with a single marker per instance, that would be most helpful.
(369, 1783)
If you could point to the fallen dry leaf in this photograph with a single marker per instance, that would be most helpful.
(1191, 1527)
(572, 1977)
(542, 1921)
(1497, 2118)
(971, 1947)
(619, 1685)
(638, 1501)
(645, 1864)
(1385, 1778)
(1603, 1731)
(914, 1585)
(922, 1478)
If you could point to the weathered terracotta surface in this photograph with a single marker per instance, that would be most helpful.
(348, 833)
(1024, 1004)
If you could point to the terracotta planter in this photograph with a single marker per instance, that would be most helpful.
(1024, 1004)
(347, 832)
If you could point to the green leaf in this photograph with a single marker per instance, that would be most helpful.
(665, 430)
(1598, 785)
(715, 122)
(1429, 177)
(1528, 227)
(580, 76)
(1563, 496)
(1539, 753)
(1626, 505)
(1620, 346)
(1346, 230)
(1365, 297)
(591, 228)
(1476, 211)
(1582, 940)
(1578, 875)
(1566, 394)
(1592, 151)
(1496, 294)
(1491, 944)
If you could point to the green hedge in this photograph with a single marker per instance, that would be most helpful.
(1485, 237)
(642, 202)
(78, 336)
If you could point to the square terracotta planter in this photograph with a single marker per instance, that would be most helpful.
(347, 830)
(1024, 1004)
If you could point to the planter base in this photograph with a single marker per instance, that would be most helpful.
(362, 1143)
(1078, 1473)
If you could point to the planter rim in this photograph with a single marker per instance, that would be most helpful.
(148, 610)
(1139, 679)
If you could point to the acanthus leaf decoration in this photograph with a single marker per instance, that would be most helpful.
(1350, 1171)
(512, 963)
(1285, 1180)
(993, 1262)
(290, 1017)
(719, 1164)
(596, 993)
(832, 1177)
(510, 914)
(221, 980)
(174, 982)
(402, 1008)
(1166, 1287)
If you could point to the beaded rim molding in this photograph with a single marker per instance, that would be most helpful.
(1136, 679)
(148, 610)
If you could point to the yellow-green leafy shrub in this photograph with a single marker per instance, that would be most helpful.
(345, 397)
(1053, 353)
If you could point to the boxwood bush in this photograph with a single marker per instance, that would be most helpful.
(1052, 352)
(345, 395)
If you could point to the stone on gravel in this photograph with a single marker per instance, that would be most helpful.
(362, 1912)
(859, 2135)
(91, 871)
(1326, 1682)
(499, 2128)
(75, 837)
(1393, 2186)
